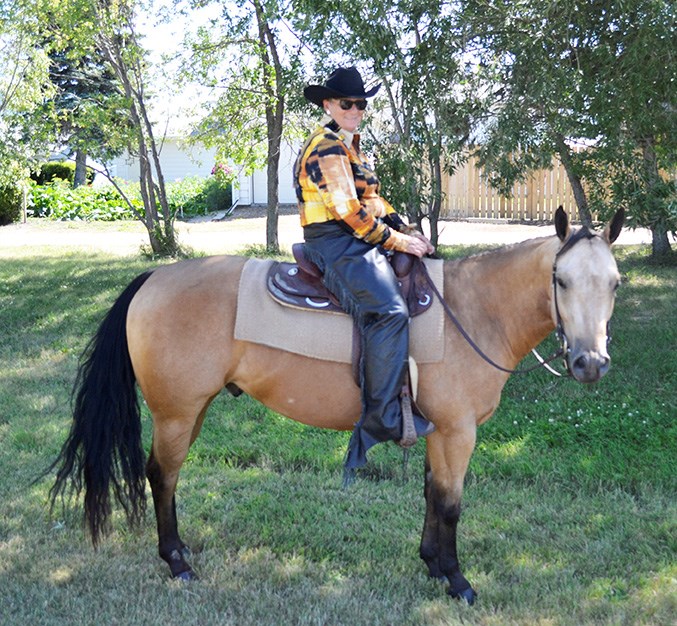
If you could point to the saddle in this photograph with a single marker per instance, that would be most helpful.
(300, 285)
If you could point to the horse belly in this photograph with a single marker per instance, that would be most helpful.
(314, 392)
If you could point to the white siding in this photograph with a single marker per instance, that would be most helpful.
(179, 160)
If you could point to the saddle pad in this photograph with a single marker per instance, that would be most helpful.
(319, 334)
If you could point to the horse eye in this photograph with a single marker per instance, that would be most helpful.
(617, 285)
(561, 283)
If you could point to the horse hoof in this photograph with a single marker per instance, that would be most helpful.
(468, 595)
(186, 576)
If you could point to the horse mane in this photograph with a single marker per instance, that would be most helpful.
(504, 251)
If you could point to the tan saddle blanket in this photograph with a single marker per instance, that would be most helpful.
(321, 334)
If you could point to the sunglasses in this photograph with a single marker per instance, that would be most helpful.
(346, 104)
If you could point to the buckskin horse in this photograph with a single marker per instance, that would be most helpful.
(508, 300)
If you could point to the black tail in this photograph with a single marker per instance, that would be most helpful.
(104, 444)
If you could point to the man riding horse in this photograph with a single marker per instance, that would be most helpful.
(348, 228)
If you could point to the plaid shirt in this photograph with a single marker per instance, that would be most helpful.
(334, 181)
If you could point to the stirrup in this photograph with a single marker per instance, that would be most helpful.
(409, 436)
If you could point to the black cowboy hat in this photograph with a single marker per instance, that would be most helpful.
(344, 82)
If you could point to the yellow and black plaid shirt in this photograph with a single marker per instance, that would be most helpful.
(334, 181)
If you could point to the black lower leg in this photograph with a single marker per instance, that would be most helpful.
(170, 547)
(448, 515)
(429, 549)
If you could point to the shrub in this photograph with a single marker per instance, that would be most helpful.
(62, 170)
(217, 197)
(197, 196)
(59, 201)
(10, 204)
(187, 198)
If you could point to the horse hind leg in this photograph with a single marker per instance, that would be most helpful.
(171, 442)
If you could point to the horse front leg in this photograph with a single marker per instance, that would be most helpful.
(446, 464)
(430, 541)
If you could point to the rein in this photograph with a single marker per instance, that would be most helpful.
(542, 362)
(583, 233)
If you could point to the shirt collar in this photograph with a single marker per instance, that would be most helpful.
(345, 136)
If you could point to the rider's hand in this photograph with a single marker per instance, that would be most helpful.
(418, 245)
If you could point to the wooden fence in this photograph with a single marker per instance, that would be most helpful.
(467, 194)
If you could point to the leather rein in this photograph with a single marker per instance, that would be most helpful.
(583, 233)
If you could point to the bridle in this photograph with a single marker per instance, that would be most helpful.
(564, 349)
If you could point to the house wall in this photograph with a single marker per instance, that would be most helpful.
(179, 160)
(286, 193)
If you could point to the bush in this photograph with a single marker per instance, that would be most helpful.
(59, 201)
(198, 196)
(10, 204)
(62, 170)
(187, 198)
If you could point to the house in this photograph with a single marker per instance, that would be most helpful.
(180, 160)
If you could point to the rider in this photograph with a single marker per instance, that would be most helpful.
(347, 227)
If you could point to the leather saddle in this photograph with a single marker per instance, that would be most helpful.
(300, 285)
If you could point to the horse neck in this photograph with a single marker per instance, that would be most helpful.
(508, 293)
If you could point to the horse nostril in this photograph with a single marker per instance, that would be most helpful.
(580, 362)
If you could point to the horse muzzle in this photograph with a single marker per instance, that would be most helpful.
(588, 366)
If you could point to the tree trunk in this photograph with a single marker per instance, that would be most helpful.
(660, 245)
(436, 189)
(80, 174)
(273, 88)
(567, 159)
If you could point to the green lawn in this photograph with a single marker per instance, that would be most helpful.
(569, 511)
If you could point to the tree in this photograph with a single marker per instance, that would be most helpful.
(424, 119)
(84, 86)
(125, 123)
(600, 73)
(634, 103)
(24, 84)
(119, 42)
(248, 63)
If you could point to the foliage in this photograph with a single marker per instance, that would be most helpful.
(602, 74)
(24, 83)
(244, 55)
(197, 196)
(566, 521)
(64, 170)
(87, 102)
(187, 198)
(11, 198)
(424, 114)
(59, 201)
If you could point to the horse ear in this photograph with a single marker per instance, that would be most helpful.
(561, 223)
(613, 228)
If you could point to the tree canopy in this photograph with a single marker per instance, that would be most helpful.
(519, 81)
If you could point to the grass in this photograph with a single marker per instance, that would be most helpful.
(569, 509)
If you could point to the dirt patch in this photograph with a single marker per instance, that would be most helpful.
(217, 234)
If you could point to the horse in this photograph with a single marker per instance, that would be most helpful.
(508, 300)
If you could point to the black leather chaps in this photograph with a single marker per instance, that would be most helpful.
(359, 275)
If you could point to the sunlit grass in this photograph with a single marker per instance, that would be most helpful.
(569, 509)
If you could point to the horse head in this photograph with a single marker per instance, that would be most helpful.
(584, 282)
